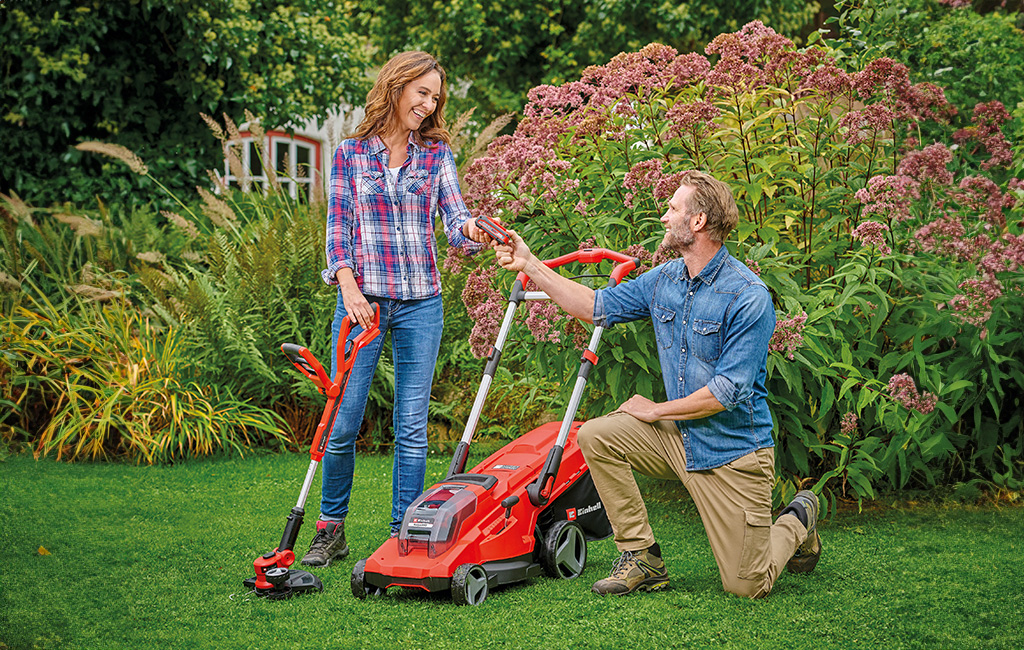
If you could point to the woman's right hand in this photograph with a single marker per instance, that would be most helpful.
(357, 306)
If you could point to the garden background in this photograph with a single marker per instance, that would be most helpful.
(876, 149)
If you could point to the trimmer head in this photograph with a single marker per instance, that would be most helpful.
(285, 583)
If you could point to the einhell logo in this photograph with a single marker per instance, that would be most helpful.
(572, 513)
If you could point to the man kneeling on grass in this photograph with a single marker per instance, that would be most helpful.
(713, 319)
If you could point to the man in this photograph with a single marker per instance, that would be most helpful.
(713, 319)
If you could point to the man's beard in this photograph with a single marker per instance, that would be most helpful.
(676, 242)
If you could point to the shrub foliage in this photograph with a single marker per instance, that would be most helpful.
(894, 263)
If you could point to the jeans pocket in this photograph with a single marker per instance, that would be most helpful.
(756, 556)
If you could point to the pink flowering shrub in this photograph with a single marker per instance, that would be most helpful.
(894, 253)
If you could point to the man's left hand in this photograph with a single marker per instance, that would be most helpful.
(641, 408)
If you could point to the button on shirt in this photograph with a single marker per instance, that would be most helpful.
(384, 231)
(711, 330)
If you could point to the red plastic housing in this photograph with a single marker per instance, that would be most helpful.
(471, 526)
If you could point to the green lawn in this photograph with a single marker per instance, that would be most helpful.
(154, 557)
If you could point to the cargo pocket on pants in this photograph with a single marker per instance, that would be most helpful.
(756, 555)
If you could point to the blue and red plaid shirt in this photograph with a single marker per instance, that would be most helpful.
(384, 232)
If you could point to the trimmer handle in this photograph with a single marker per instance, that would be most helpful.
(347, 352)
(307, 364)
(494, 230)
(625, 266)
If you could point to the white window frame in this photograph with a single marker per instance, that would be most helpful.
(288, 179)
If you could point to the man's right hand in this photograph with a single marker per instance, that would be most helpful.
(514, 257)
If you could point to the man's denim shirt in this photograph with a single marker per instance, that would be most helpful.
(712, 330)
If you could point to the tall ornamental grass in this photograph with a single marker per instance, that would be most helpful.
(894, 263)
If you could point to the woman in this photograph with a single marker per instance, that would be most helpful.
(388, 182)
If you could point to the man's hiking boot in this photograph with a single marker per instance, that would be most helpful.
(328, 544)
(805, 507)
(633, 571)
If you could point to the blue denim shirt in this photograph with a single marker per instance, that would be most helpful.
(711, 330)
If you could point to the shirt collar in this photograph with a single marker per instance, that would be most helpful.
(377, 146)
(710, 270)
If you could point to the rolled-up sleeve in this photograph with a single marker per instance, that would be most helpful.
(454, 213)
(751, 322)
(626, 301)
(340, 219)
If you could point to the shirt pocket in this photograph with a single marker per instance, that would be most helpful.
(416, 181)
(706, 342)
(664, 324)
(371, 184)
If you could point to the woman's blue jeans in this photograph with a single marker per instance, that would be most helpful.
(415, 327)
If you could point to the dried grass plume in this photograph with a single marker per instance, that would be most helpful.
(118, 152)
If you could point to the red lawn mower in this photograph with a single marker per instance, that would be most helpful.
(273, 579)
(527, 509)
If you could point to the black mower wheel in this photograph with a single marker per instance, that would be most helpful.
(564, 553)
(469, 585)
(360, 588)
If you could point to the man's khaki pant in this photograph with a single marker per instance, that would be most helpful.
(734, 501)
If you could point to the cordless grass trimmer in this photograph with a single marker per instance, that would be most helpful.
(273, 578)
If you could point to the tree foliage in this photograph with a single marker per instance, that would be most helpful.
(502, 49)
(138, 74)
(975, 57)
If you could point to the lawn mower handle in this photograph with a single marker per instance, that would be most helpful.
(592, 256)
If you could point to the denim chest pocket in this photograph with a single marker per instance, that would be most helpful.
(706, 340)
(371, 183)
(664, 324)
(416, 181)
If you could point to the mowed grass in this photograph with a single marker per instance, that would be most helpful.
(154, 557)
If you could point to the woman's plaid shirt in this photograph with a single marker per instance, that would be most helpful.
(385, 233)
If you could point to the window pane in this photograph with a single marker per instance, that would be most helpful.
(281, 148)
(302, 157)
(304, 191)
(254, 160)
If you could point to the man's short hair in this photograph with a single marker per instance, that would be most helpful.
(714, 198)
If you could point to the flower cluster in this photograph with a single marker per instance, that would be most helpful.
(980, 194)
(946, 236)
(641, 176)
(974, 305)
(848, 424)
(988, 120)
(749, 58)
(545, 321)
(484, 306)
(903, 389)
(691, 118)
(899, 100)
(872, 233)
(453, 260)
(788, 336)
(890, 196)
(928, 164)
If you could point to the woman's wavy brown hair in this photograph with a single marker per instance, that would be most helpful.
(382, 100)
